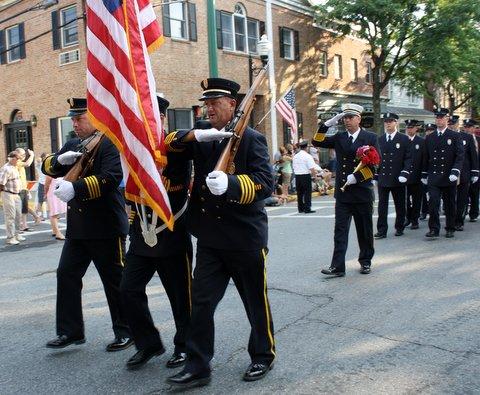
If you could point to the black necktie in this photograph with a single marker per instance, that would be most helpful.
(389, 138)
(350, 140)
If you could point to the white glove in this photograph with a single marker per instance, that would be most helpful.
(207, 135)
(64, 191)
(424, 181)
(351, 179)
(68, 158)
(452, 177)
(333, 121)
(217, 182)
(374, 182)
(402, 179)
(474, 179)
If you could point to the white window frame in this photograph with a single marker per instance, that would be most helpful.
(60, 132)
(183, 21)
(291, 53)
(9, 44)
(368, 74)
(70, 26)
(239, 13)
(338, 67)
(354, 69)
(323, 64)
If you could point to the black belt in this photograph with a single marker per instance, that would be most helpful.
(13, 193)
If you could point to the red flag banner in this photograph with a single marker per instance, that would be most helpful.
(121, 93)
(286, 107)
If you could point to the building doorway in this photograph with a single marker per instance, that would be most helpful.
(19, 135)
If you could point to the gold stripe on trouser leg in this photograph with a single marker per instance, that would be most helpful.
(267, 305)
(120, 252)
(189, 281)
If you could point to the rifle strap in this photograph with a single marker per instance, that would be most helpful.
(91, 157)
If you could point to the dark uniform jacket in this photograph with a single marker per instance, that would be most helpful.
(362, 191)
(396, 160)
(98, 209)
(470, 161)
(417, 147)
(176, 178)
(236, 220)
(443, 157)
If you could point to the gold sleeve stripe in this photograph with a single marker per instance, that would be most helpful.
(251, 186)
(91, 181)
(366, 173)
(319, 137)
(48, 164)
(170, 137)
(248, 189)
(98, 186)
(242, 189)
(89, 187)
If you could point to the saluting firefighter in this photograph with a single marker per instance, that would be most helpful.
(469, 126)
(357, 199)
(442, 164)
(227, 216)
(468, 175)
(393, 174)
(97, 226)
(429, 129)
(414, 183)
(169, 253)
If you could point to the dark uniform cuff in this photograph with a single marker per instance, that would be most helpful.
(455, 172)
(321, 132)
(87, 188)
(174, 141)
(364, 174)
(404, 173)
(241, 189)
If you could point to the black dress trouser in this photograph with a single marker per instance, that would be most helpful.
(399, 199)
(414, 202)
(213, 271)
(303, 183)
(424, 199)
(175, 273)
(473, 195)
(462, 202)
(108, 257)
(447, 194)
(362, 215)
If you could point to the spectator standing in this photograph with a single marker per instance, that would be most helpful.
(23, 163)
(41, 209)
(55, 206)
(10, 186)
(286, 171)
(304, 168)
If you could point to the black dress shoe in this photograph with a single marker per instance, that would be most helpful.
(120, 343)
(257, 371)
(141, 357)
(432, 234)
(176, 360)
(414, 226)
(407, 223)
(62, 341)
(423, 217)
(309, 211)
(459, 228)
(189, 380)
(333, 271)
(365, 270)
(379, 235)
(449, 234)
(399, 232)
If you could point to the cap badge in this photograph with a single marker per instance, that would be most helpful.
(205, 84)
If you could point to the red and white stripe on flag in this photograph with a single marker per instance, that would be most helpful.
(121, 93)
(286, 107)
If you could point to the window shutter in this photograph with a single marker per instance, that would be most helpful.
(55, 31)
(218, 21)
(54, 134)
(261, 28)
(21, 34)
(280, 31)
(192, 21)
(166, 20)
(296, 45)
(171, 120)
(3, 47)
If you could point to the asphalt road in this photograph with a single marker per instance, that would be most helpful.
(411, 326)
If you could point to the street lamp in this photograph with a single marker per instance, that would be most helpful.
(42, 5)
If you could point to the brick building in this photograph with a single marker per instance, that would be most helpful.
(42, 56)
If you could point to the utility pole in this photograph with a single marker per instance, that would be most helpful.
(212, 38)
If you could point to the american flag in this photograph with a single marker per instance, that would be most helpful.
(286, 107)
(121, 94)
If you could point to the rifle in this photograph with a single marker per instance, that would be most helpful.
(89, 148)
(238, 125)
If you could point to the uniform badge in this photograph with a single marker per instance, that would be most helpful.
(417, 146)
(397, 145)
(449, 142)
(464, 142)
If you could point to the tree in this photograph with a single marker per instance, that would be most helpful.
(391, 29)
(447, 61)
